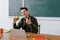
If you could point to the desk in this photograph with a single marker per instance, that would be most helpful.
(6, 36)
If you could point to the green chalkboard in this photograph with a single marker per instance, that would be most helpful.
(14, 7)
(38, 8)
(43, 8)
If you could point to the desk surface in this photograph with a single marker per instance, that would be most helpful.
(6, 36)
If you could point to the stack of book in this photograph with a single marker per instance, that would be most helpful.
(40, 37)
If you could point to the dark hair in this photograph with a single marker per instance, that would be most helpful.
(23, 8)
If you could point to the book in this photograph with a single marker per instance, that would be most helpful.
(40, 37)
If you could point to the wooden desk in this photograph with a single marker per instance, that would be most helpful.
(6, 36)
(49, 37)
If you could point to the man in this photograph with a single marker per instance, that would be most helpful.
(28, 23)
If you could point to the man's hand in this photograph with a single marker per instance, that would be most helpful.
(15, 20)
(28, 21)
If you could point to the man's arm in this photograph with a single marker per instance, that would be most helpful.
(34, 25)
(17, 26)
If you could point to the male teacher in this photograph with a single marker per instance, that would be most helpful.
(28, 23)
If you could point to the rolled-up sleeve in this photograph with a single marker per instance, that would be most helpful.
(18, 26)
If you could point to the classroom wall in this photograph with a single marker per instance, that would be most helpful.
(48, 25)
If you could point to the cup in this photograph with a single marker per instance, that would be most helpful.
(1, 32)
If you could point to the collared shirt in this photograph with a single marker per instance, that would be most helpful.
(28, 28)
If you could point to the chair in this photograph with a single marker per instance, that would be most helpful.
(38, 29)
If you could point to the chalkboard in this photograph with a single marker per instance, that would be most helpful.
(14, 7)
(42, 8)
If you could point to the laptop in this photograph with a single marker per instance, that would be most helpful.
(18, 33)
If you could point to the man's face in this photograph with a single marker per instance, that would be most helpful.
(24, 13)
